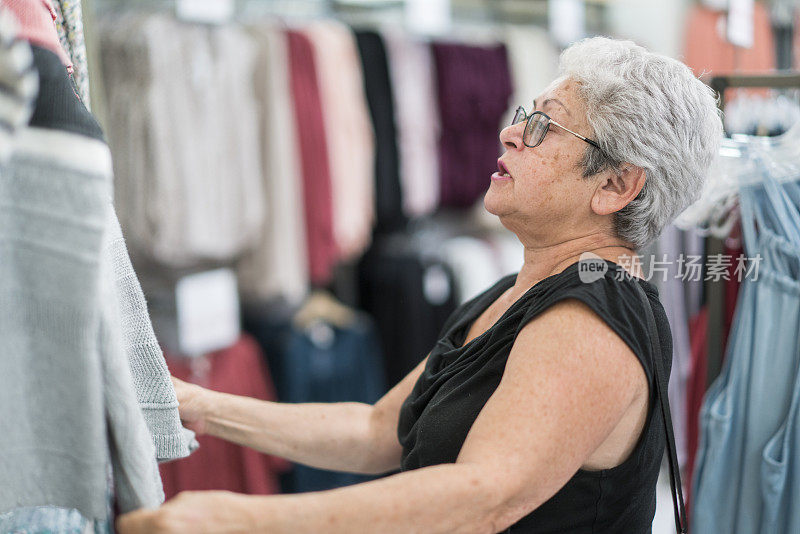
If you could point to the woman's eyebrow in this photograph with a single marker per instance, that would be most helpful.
(556, 101)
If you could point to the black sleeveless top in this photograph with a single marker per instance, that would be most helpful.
(458, 381)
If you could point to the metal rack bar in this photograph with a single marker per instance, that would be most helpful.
(777, 80)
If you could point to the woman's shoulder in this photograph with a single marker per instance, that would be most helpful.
(610, 292)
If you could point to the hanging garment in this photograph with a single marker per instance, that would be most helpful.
(219, 464)
(459, 378)
(58, 108)
(473, 88)
(473, 263)
(509, 254)
(317, 193)
(277, 264)
(19, 83)
(348, 134)
(696, 390)
(743, 480)
(733, 250)
(36, 24)
(61, 328)
(327, 363)
(184, 131)
(318, 362)
(531, 72)
(398, 285)
(708, 51)
(154, 390)
(378, 86)
(418, 129)
(667, 276)
(51, 519)
(69, 22)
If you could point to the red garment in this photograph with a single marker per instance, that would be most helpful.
(695, 391)
(218, 464)
(732, 284)
(708, 51)
(317, 189)
(36, 24)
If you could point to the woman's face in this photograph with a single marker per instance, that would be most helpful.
(546, 199)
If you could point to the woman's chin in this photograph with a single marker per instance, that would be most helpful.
(493, 203)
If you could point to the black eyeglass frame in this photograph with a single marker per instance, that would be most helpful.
(521, 115)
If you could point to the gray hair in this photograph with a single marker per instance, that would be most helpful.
(648, 110)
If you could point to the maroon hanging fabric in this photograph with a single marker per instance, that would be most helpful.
(313, 149)
(473, 87)
(696, 389)
(218, 464)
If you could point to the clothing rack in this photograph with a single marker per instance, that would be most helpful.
(777, 80)
(715, 292)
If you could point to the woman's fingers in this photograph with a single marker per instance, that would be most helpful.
(190, 405)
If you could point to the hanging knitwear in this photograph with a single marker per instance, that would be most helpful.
(474, 86)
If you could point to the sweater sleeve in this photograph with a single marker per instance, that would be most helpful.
(137, 483)
(151, 378)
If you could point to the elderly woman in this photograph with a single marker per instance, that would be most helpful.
(539, 409)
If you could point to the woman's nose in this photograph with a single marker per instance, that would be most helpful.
(511, 136)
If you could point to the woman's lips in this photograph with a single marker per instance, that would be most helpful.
(497, 177)
(502, 171)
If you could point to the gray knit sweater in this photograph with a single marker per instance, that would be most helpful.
(84, 390)
(68, 405)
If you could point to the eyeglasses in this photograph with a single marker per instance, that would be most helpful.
(538, 126)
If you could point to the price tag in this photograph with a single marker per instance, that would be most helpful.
(567, 20)
(205, 11)
(428, 17)
(740, 23)
(207, 311)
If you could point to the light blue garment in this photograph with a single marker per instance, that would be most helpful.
(51, 520)
(742, 484)
(780, 470)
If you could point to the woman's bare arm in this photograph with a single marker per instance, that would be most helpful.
(344, 436)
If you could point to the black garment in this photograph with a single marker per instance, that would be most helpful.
(409, 296)
(458, 381)
(58, 106)
(388, 195)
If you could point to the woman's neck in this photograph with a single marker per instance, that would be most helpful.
(548, 260)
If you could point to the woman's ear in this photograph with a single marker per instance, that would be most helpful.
(617, 188)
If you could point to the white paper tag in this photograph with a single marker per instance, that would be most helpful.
(428, 16)
(740, 23)
(205, 11)
(567, 20)
(436, 285)
(208, 311)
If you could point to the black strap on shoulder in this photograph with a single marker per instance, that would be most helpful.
(661, 394)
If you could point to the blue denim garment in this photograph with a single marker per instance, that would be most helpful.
(322, 363)
(743, 481)
(325, 363)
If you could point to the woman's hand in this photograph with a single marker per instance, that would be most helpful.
(198, 512)
(191, 405)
